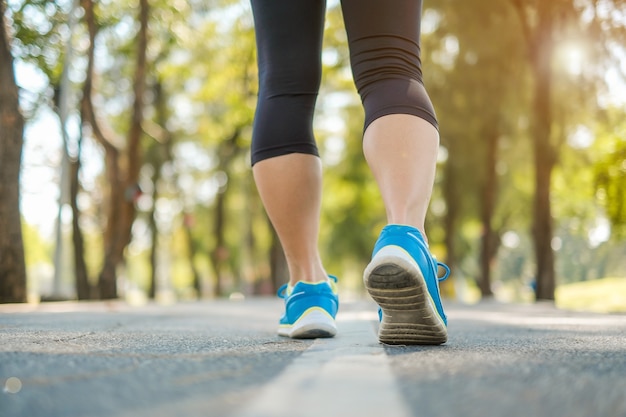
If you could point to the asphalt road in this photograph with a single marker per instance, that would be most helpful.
(222, 358)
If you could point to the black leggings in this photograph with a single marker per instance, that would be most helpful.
(383, 37)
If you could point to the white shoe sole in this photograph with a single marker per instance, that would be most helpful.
(410, 317)
(313, 323)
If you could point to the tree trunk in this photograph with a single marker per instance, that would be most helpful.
(279, 272)
(83, 288)
(133, 157)
(154, 231)
(107, 279)
(192, 249)
(122, 173)
(542, 224)
(128, 186)
(488, 242)
(249, 241)
(12, 266)
(72, 166)
(452, 212)
(537, 27)
(227, 152)
(161, 154)
(544, 156)
(219, 254)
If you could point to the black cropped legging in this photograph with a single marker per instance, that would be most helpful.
(383, 37)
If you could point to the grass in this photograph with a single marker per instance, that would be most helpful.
(606, 295)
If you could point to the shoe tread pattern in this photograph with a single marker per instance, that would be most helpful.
(409, 317)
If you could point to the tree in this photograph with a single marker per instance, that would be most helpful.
(122, 165)
(158, 154)
(49, 47)
(223, 72)
(83, 287)
(195, 130)
(539, 36)
(12, 266)
(472, 66)
(543, 25)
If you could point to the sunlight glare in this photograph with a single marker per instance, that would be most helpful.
(600, 233)
(572, 56)
(581, 138)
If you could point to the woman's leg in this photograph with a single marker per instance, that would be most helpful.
(401, 151)
(286, 167)
(401, 139)
(290, 187)
(400, 144)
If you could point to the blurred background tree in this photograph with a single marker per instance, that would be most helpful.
(154, 102)
(12, 267)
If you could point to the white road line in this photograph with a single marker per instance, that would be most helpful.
(348, 375)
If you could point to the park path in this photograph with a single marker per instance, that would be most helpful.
(222, 358)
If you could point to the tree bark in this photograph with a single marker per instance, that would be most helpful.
(81, 278)
(122, 169)
(488, 242)
(219, 254)
(111, 161)
(12, 265)
(133, 160)
(279, 271)
(544, 155)
(83, 288)
(227, 152)
(450, 220)
(192, 250)
(538, 31)
(161, 154)
(154, 231)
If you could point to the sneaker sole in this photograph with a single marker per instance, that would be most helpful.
(395, 282)
(313, 323)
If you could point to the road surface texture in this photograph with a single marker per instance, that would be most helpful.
(223, 358)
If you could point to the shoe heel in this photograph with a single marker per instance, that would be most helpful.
(314, 323)
(396, 283)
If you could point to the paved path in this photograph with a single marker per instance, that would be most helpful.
(223, 359)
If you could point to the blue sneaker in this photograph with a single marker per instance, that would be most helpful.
(310, 309)
(402, 279)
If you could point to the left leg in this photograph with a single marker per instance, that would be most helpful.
(286, 166)
(290, 187)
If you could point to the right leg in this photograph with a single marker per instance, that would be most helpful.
(401, 151)
(401, 140)
(400, 144)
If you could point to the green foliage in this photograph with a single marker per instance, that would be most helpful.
(37, 250)
(607, 295)
(202, 53)
(610, 172)
(40, 32)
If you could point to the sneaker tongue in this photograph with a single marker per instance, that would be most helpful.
(289, 290)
